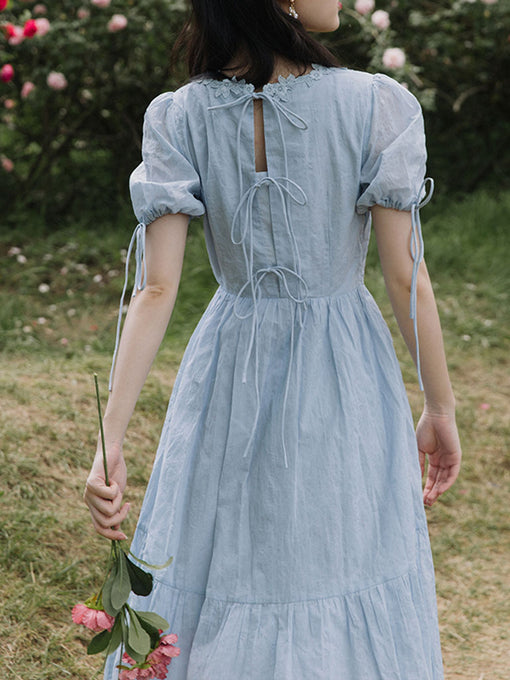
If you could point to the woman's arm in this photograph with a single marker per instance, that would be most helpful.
(144, 327)
(436, 432)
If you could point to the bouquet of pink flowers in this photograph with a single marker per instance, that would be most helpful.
(145, 651)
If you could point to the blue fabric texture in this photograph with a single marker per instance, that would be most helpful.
(286, 484)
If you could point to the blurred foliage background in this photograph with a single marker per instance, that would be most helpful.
(68, 152)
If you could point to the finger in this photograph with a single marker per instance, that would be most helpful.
(106, 507)
(109, 521)
(98, 488)
(447, 478)
(429, 492)
(421, 456)
(441, 481)
(112, 534)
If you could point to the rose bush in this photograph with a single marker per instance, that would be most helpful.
(455, 57)
(81, 74)
(77, 75)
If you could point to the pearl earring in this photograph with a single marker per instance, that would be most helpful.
(292, 9)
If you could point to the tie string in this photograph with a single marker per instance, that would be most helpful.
(417, 250)
(242, 234)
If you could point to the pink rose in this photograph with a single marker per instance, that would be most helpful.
(117, 23)
(26, 89)
(95, 619)
(7, 164)
(40, 9)
(364, 6)
(9, 103)
(381, 19)
(56, 80)
(6, 73)
(15, 34)
(101, 3)
(30, 28)
(394, 58)
(83, 13)
(43, 26)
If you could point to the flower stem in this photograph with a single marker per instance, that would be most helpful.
(102, 431)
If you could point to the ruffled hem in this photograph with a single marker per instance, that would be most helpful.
(385, 632)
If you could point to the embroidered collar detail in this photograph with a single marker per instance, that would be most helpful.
(280, 89)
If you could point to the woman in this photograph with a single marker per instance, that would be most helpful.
(287, 481)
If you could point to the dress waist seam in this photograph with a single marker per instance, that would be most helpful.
(360, 290)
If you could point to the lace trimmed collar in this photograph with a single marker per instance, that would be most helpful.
(280, 89)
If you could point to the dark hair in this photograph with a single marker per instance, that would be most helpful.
(219, 30)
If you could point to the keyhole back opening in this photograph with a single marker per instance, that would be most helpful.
(259, 136)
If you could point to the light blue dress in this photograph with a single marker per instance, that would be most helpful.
(287, 484)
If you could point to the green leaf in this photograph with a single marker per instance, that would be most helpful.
(121, 586)
(139, 658)
(141, 581)
(152, 566)
(154, 620)
(99, 642)
(116, 637)
(138, 639)
(107, 592)
(151, 630)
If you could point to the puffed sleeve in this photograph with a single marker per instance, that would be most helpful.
(166, 181)
(394, 157)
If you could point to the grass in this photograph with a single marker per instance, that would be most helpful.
(50, 556)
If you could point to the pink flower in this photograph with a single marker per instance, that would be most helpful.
(30, 28)
(381, 19)
(15, 34)
(484, 406)
(95, 619)
(364, 6)
(3, 4)
(101, 3)
(26, 89)
(56, 80)
(7, 164)
(6, 73)
(394, 58)
(159, 659)
(117, 23)
(83, 13)
(40, 9)
(9, 103)
(165, 650)
(43, 26)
